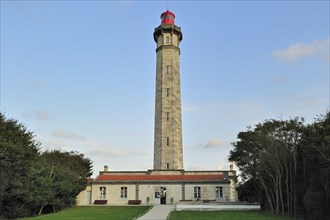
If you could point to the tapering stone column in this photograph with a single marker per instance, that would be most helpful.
(168, 122)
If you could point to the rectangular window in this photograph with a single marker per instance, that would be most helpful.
(168, 69)
(197, 192)
(103, 192)
(123, 192)
(167, 39)
(219, 192)
(167, 166)
(167, 92)
(167, 141)
(167, 116)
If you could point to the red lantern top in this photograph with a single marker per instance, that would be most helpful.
(167, 17)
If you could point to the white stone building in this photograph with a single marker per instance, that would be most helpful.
(168, 182)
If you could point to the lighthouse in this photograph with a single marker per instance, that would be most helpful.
(167, 182)
(168, 120)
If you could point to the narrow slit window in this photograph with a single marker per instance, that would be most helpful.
(167, 141)
(167, 92)
(167, 166)
(168, 69)
(167, 116)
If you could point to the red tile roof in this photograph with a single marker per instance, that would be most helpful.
(148, 178)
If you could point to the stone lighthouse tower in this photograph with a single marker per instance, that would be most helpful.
(168, 122)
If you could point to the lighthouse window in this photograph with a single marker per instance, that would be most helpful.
(167, 141)
(167, 39)
(167, 92)
(167, 116)
(168, 69)
(168, 17)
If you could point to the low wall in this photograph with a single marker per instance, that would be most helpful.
(217, 207)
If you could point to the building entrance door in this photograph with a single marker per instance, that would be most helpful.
(163, 195)
(157, 195)
(160, 195)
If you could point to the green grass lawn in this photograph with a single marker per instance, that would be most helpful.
(224, 215)
(130, 212)
(96, 212)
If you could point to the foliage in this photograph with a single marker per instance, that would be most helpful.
(30, 180)
(313, 178)
(289, 163)
(247, 192)
(266, 155)
(68, 173)
(96, 212)
(18, 159)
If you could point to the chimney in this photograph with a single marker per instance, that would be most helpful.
(231, 167)
(106, 168)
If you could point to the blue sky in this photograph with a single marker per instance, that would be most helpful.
(81, 74)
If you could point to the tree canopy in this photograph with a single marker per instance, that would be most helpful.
(31, 179)
(289, 163)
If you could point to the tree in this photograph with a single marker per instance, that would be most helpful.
(313, 177)
(249, 192)
(31, 180)
(267, 156)
(18, 158)
(68, 173)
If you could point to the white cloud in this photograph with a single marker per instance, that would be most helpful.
(67, 135)
(211, 143)
(299, 50)
(214, 143)
(38, 115)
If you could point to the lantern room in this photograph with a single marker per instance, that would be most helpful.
(167, 17)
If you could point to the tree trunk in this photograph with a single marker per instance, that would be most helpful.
(270, 201)
(40, 211)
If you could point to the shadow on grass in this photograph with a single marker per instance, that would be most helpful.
(96, 212)
(224, 215)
